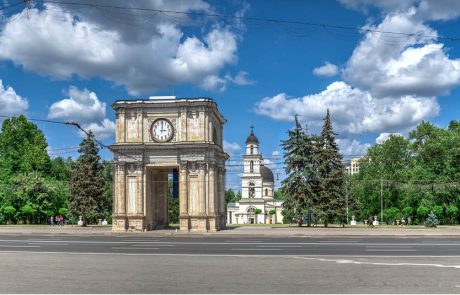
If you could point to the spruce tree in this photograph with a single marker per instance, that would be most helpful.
(302, 178)
(86, 182)
(331, 197)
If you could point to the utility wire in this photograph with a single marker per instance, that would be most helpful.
(257, 19)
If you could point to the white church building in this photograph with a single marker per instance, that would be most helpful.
(257, 205)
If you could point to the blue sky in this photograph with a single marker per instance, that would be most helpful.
(67, 62)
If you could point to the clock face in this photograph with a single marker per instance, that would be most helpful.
(162, 130)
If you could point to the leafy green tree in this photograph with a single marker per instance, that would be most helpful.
(452, 212)
(9, 212)
(331, 198)
(279, 195)
(22, 148)
(173, 205)
(26, 211)
(422, 212)
(60, 168)
(106, 202)
(392, 214)
(231, 197)
(86, 182)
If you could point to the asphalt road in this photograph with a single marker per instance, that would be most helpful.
(241, 245)
(228, 264)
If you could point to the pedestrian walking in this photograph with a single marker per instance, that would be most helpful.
(61, 220)
(370, 221)
(51, 220)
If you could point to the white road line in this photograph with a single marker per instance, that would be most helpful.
(388, 246)
(278, 246)
(51, 239)
(348, 261)
(140, 241)
(6, 252)
(129, 248)
(20, 246)
(390, 250)
(142, 245)
(238, 243)
(255, 249)
(60, 244)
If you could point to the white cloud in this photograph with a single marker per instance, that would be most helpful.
(83, 107)
(11, 104)
(396, 66)
(142, 58)
(275, 153)
(384, 136)
(422, 9)
(231, 146)
(101, 130)
(240, 79)
(352, 110)
(216, 83)
(327, 70)
(353, 148)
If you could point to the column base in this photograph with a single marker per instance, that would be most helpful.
(119, 223)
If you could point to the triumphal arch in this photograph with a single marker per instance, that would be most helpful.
(156, 137)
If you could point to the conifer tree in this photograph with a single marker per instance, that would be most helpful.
(86, 182)
(301, 183)
(331, 197)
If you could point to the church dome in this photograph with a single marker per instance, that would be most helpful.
(252, 139)
(267, 174)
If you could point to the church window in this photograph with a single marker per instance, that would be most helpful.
(251, 166)
(252, 190)
(266, 191)
(252, 149)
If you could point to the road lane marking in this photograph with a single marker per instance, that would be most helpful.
(51, 239)
(140, 241)
(50, 245)
(348, 261)
(390, 250)
(258, 249)
(279, 246)
(18, 246)
(5, 252)
(240, 243)
(129, 248)
(143, 245)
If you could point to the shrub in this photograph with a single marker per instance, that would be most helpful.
(422, 212)
(452, 212)
(392, 214)
(432, 220)
(258, 211)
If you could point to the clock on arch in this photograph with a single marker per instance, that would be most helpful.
(162, 130)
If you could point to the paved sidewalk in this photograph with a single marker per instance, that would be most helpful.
(244, 230)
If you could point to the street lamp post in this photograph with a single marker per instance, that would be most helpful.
(381, 200)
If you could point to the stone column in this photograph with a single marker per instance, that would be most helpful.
(212, 194)
(221, 198)
(119, 216)
(183, 197)
(202, 197)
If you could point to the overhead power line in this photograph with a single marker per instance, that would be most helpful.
(244, 18)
